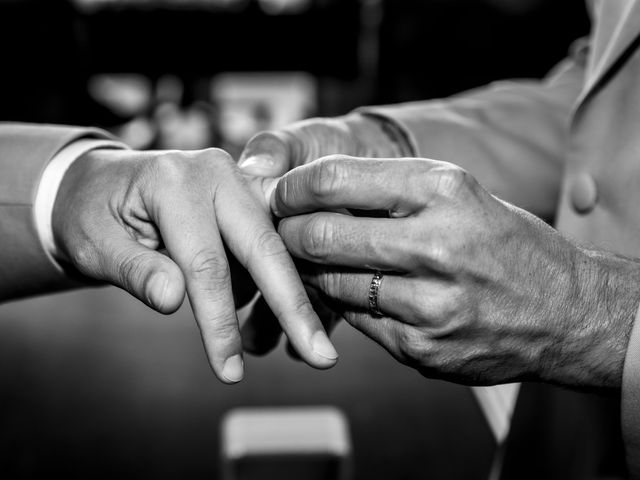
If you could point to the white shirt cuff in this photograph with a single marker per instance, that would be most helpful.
(49, 185)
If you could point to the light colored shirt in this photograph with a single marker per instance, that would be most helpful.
(50, 184)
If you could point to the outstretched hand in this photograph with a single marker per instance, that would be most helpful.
(156, 224)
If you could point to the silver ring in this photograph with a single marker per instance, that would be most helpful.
(374, 290)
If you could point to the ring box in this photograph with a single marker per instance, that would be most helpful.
(297, 443)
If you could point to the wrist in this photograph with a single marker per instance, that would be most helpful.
(599, 312)
(74, 201)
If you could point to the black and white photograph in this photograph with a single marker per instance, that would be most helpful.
(320, 239)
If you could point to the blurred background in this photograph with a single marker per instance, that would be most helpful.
(95, 385)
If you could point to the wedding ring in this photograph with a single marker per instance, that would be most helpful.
(374, 290)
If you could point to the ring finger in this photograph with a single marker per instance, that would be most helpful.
(407, 299)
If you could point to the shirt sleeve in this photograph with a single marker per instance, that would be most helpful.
(26, 150)
(50, 183)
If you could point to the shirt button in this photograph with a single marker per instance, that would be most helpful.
(583, 193)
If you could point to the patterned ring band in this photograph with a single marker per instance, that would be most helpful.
(374, 290)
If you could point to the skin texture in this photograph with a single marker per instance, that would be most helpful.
(156, 224)
(475, 290)
(271, 154)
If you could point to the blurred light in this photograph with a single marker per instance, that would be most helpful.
(183, 129)
(137, 133)
(169, 89)
(279, 7)
(92, 5)
(126, 95)
(250, 102)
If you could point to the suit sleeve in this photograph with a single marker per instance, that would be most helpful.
(510, 135)
(25, 151)
(631, 401)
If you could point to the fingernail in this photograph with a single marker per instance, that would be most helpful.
(157, 289)
(270, 195)
(257, 165)
(322, 346)
(233, 370)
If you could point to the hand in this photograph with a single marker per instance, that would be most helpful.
(274, 153)
(117, 209)
(476, 291)
(271, 154)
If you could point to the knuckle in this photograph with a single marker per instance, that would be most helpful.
(301, 307)
(440, 254)
(317, 238)
(437, 253)
(131, 269)
(330, 283)
(224, 331)
(330, 176)
(217, 156)
(421, 305)
(209, 265)
(411, 345)
(267, 243)
(451, 180)
(168, 168)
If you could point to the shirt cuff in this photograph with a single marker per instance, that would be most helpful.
(48, 189)
(631, 400)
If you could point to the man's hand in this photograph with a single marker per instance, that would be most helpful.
(475, 291)
(274, 153)
(117, 210)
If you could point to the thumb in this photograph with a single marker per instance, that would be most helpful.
(268, 154)
(146, 274)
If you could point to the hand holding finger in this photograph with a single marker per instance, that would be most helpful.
(248, 231)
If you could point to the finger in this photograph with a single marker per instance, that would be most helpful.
(329, 317)
(187, 225)
(385, 331)
(268, 154)
(148, 275)
(351, 289)
(243, 287)
(408, 345)
(262, 189)
(273, 153)
(359, 242)
(261, 331)
(248, 231)
(323, 307)
(423, 301)
(346, 182)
